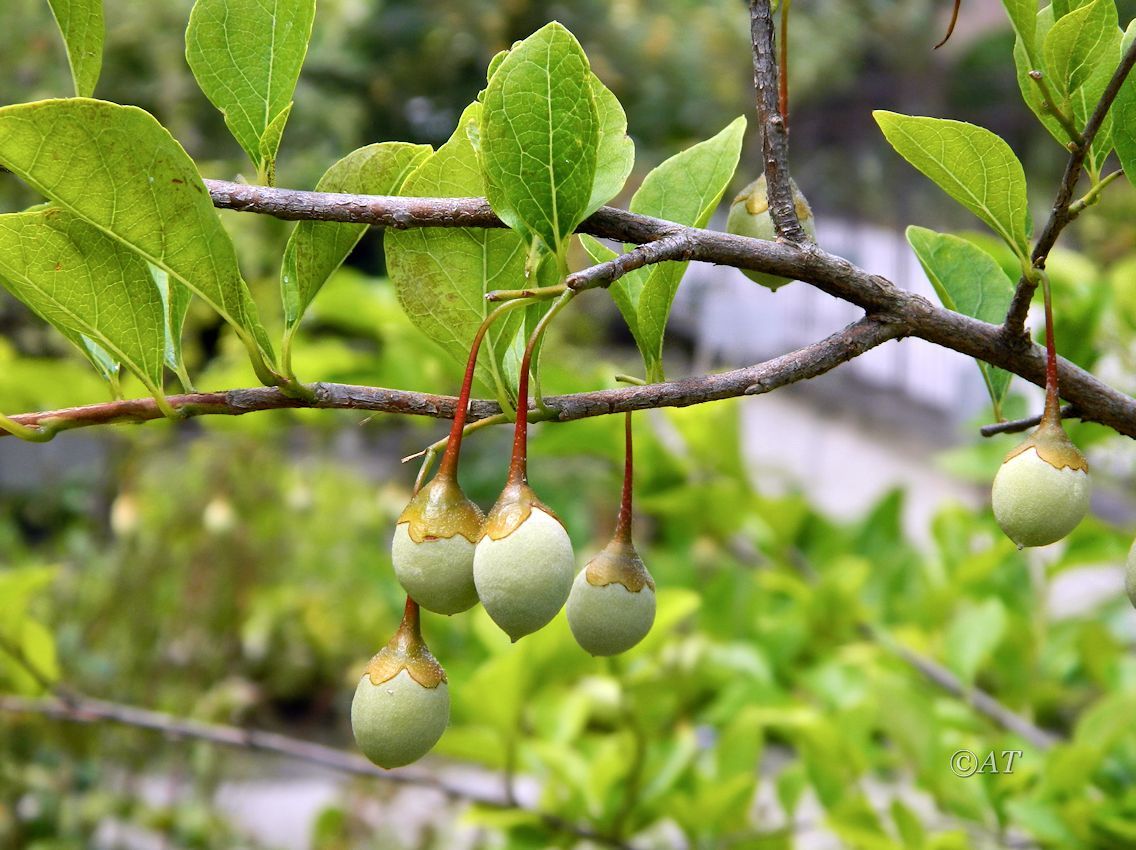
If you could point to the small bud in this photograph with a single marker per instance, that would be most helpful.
(749, 216)
(523, 565)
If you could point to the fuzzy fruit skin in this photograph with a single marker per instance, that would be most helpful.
(1036, 503)
(749, 216)
(398, 721)
(524, 578)
(1130, 575)
(609, 619)
(437, 573)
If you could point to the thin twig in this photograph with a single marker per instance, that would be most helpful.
(673, 247)
(1015, 426)
(89, 710)
(1059, 217)
(979, 700)
(775, 134)
(800, 365)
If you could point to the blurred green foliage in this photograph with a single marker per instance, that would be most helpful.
(237, 570)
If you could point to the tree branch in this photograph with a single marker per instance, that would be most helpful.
(775, 134)
(83, 709)
(796, 366)
(982, 702)
(1015, 426)
(1060, 215)
(673, 247)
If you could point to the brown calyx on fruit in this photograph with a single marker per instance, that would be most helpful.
(406, 651)
(512, 508)
(440, 510)
(619, 562)
(1052, 445)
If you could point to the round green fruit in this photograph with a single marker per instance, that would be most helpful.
(749, 216)
(612, 604)
(523, 565)
(398, 721)
(432, 550)
(1041, 491)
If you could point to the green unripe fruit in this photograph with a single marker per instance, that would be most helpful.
(1041, 491)
(432, 550)
(523, 565)
(398, 721)
(1130, 575)
(612, 604)
(749, 216)
(402, 703)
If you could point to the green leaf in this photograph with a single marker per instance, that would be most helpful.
(83, 281)
(81, 24)
(1023, 18)
(119, 169)
(968, 281)
(685, 189)
(1079, 43)
(539, 135)
(971, 164)
(616, 155)
(1031, 91)
(441, 275)
(317, 248)
(1123, 114)
(175, 304)
(246, 56)
(972, 636)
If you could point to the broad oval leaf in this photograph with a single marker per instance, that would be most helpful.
(86, 284)
(246, 56)
(968, 281)
(685, 189)
(971, 164)
(119, 169)
(81, 24)
(1077, 45)
(441, 275)
(539, 134)
(616, 155)
(1123, 115)
(317, 248)
(1023, 18)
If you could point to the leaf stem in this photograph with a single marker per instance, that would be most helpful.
(535, 292)
(518, 467)
(40, 433)
(449, 465)
(1093, 195)
(623, 525)
(1052, 401)
(1064, 120)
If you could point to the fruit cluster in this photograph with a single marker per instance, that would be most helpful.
(517, 561)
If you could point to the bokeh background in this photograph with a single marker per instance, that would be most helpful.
(237, 570)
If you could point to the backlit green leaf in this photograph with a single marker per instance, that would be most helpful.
(317, 248)
(686, 189)
(81, 24)
(616, 155)
(246, 56)
(968, 281)
(971, 164)
(539, 134)
(442, 274)
(119, 169)
(83, 281)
